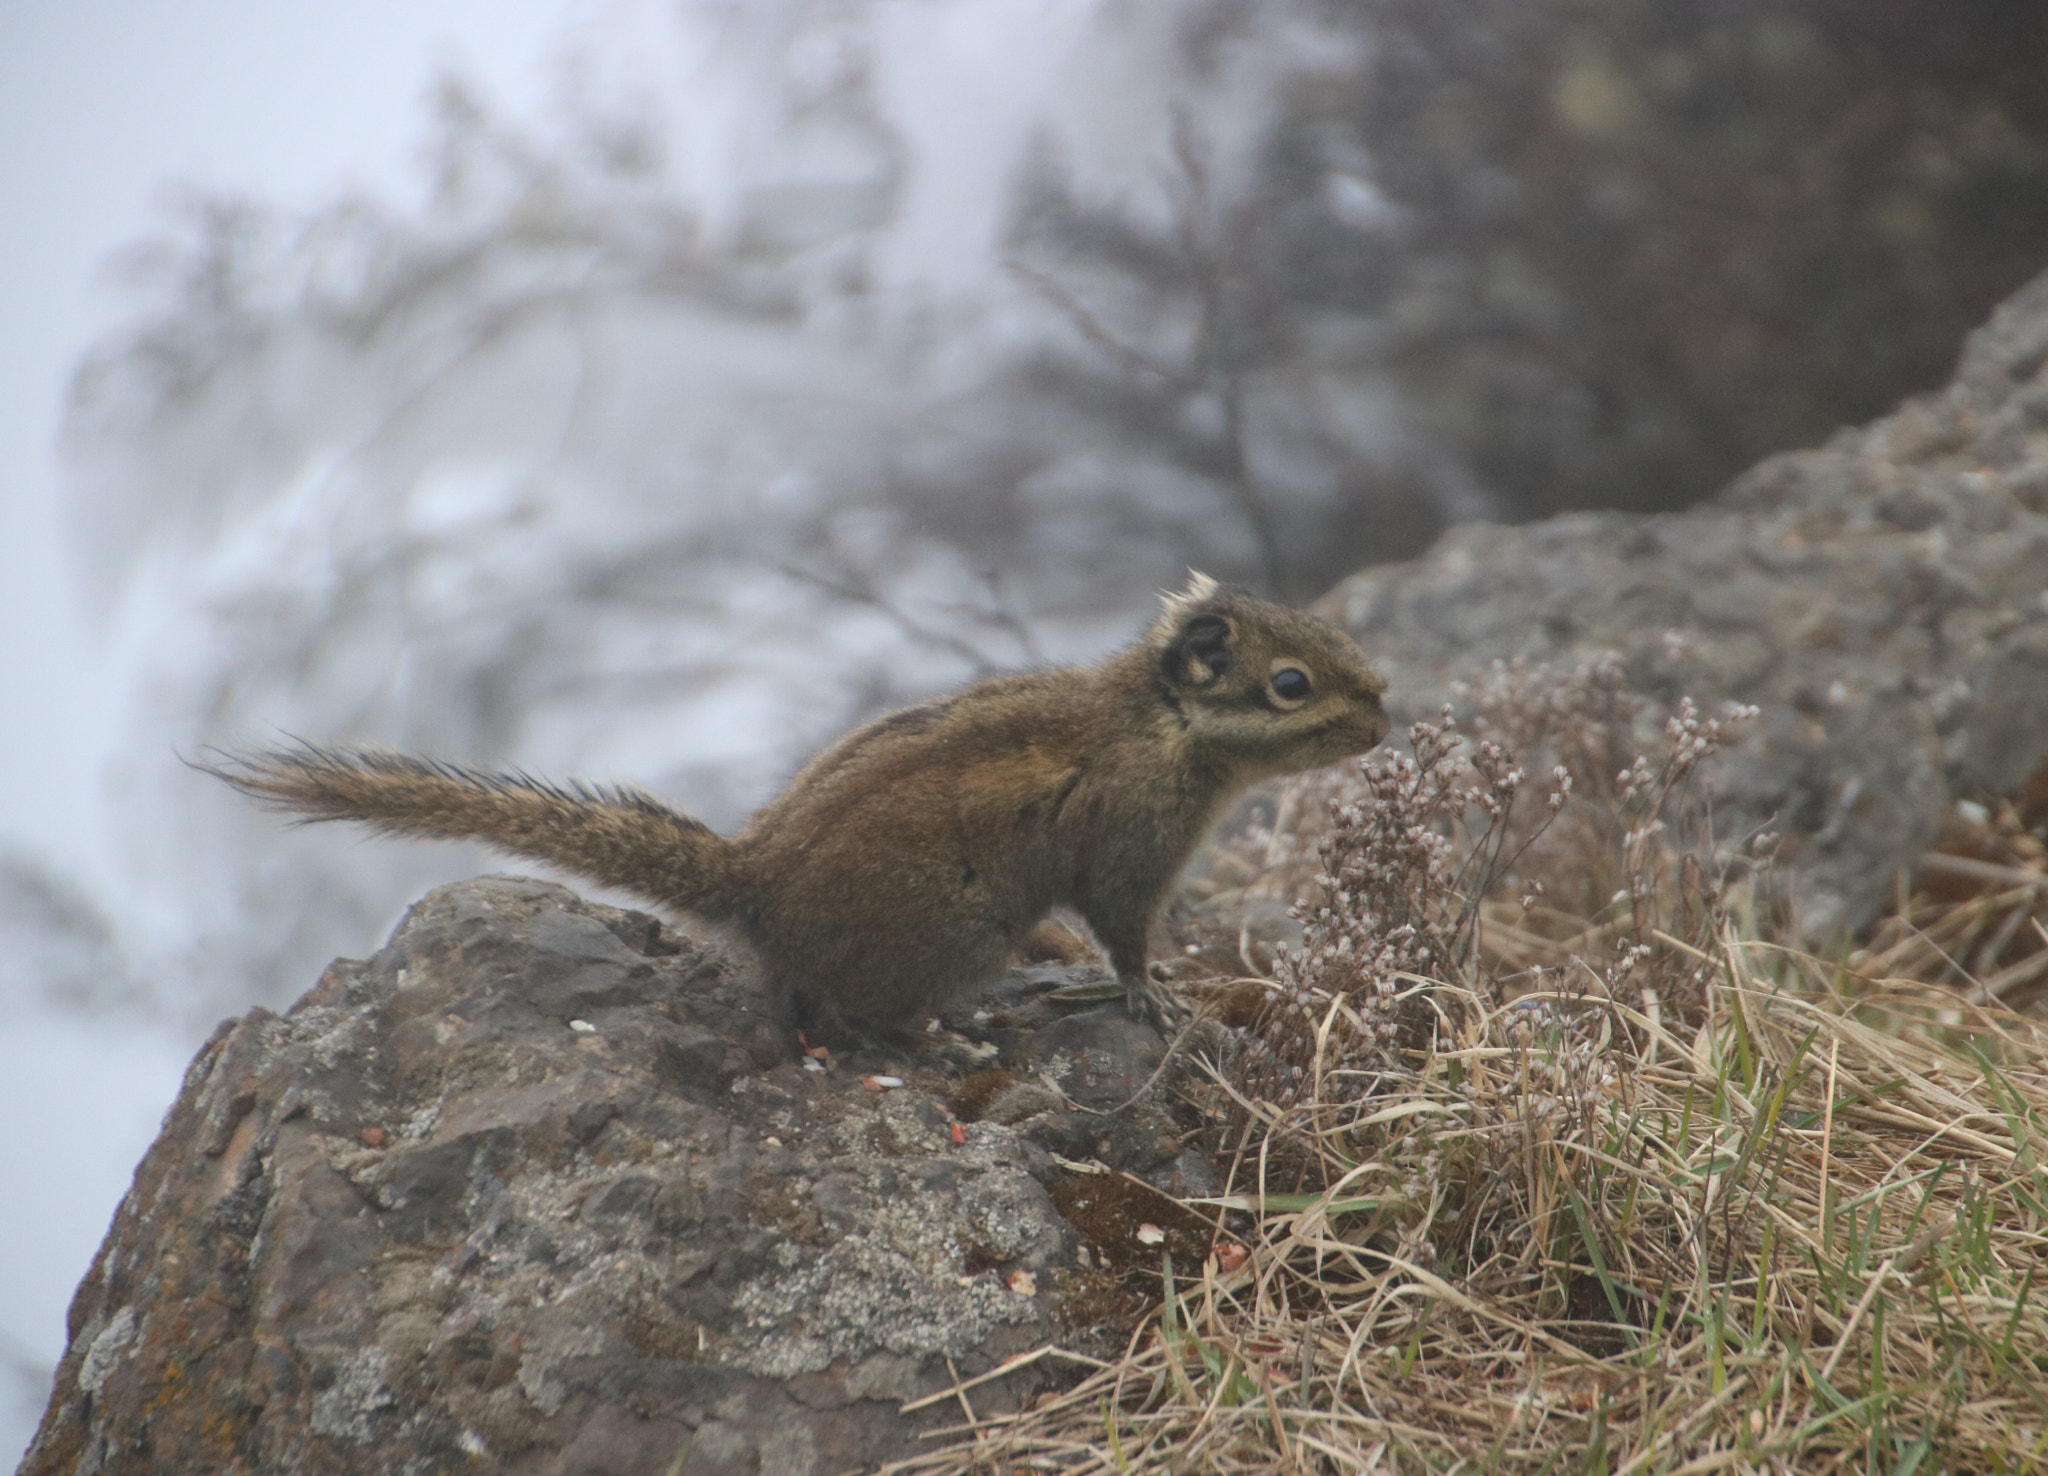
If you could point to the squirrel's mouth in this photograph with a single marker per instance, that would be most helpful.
(1328, 736)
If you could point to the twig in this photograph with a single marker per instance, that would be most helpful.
(864, 593)
(1094, 331)
(1007, 1366)
(2011, 876)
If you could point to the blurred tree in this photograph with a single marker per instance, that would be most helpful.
(1666, 239)
(1505, 258)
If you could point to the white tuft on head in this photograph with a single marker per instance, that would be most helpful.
(1200, 587)
(1174, 607)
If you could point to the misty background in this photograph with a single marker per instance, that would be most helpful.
(649, 391)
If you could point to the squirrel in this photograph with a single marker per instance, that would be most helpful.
(895, 874)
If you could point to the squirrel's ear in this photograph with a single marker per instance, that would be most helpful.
(1199, 652)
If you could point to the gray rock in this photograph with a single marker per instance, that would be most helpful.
(543, 1188)
(1883, 599)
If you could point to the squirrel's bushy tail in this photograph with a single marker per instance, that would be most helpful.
(618, 837)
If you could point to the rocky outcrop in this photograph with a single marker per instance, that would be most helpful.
(543, 1187)
(1883, 599)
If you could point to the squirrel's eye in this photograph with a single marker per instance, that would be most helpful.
(1290, 684)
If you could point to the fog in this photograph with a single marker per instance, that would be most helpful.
(108, 108)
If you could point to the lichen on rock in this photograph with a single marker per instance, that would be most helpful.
(425, 1222)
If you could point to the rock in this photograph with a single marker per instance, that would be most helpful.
(542, 1188)
(1883, 599)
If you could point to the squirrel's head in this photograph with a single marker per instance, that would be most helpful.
(1261, 688)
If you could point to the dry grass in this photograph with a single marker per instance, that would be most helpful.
(1645, 1191)
(1979, 920)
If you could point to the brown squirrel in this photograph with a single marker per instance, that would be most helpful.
(897, 871)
